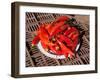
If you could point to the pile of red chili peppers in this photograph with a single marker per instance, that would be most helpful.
(58, 37)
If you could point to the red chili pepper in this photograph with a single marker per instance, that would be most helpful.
(66, 40)
(59, 29)
(54, 50)
(64, 27)
(42, 31)
(75, 36)
(35, 40)
(65, 49)
(67, 32)
(57, 26)
(45, 46)
(43, 35)
(49, 28)
(62, 18)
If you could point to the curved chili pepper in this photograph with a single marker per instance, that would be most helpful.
(71, 44)
(45, 46)
(35, 40)
(40, 36)
(75, 36)
(62, 18)
(65, 49)
(42, 31)
(53, 49)
(70, 31)
(57, 26)
(43, 35)
(66, 40)
(59, 29)
(49, 28)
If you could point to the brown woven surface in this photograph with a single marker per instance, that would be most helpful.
(36, 58)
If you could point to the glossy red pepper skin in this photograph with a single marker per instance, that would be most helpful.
(45, 46)
(62, 18)
(75, 36)
(70, 30)
(42, 35)
(35, 40)
(59, 29)
(65, 49)
(53, 49)
(49, 27)
(57, 26)
(67, 40)
(42, 31)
